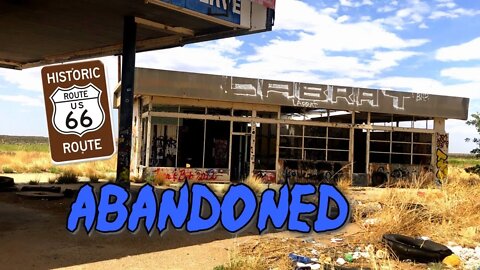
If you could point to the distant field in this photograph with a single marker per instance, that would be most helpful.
(463, 161)
(24, 147)
(26, 154)
(23, 143)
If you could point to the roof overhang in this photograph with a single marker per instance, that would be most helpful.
(154, 82)
(40, 32)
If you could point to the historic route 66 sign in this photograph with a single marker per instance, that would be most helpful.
(78, 112)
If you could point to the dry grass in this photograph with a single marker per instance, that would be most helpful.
(447, 213)
(344, 185)
(450, 213)
(240, 261)
(255, 183)
(36, 162)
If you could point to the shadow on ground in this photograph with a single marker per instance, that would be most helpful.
(33, 236)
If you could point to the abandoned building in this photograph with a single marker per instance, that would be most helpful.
(222, 128)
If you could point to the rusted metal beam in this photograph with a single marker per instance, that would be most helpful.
(164, 28)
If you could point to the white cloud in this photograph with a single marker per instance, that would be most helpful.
(424, 85)
(423, 26)
(471, 74)
(353, 3)
(462, 52)
(28, 79)
(413, 12)
(23, 100)
(445, 4)
(458, 131)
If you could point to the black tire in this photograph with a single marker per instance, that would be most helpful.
(40, 195)
(417, 250)
(6, 182)
(379, 179)
(41, 188)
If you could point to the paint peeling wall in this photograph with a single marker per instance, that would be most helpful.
(296, 94)
(441, 161)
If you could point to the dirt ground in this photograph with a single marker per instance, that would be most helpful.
(33, 236)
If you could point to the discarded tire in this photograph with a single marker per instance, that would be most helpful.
(40, 195)
(41, 188)
(417, 250)
(379, 179)
(6, 182)
(69, 193)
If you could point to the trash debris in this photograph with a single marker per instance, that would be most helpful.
(469, 256)
(341, 261)
(308, 240)
(452, 260)
(417, 250)
(424, 238)
(370, 221)
(299, 258)
(307, 266)
(336, 240)
(380, 254)
(314, 252)
(348, 257)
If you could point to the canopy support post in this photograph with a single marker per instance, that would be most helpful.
(126, 102)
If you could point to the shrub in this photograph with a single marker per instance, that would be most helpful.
(33, 182)
(54, 170)
(67, 177)
(93, 178)
(7, 170)
(255, 183)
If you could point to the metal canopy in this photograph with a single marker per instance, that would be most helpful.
(40, 32)
(153, 82)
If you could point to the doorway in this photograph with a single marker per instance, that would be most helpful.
(240, 162)
(360, 151)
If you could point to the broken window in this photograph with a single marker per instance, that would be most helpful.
(163, 144)
(190, 143)
(217, 144)
(265, 146)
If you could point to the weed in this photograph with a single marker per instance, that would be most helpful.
(54, 169)
(67, 177)
(255, 183)
(159, 180)
(34, 182)
(7, 170)
(93, 178)
(238, 261)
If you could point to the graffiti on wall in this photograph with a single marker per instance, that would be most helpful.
(442, 165)
(193, 174)
(266, 176)
(383, 173)
(311, 172)
(442, 141)
(442, 157)
(164, 151)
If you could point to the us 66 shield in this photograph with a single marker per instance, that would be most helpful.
(78, 112)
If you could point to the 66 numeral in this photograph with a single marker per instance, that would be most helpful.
(72, 123)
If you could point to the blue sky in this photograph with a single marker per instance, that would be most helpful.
(410, 45)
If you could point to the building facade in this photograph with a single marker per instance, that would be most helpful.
(221, 128)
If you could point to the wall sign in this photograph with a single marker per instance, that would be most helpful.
(78, 112)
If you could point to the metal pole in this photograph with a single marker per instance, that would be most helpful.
(126, 102)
